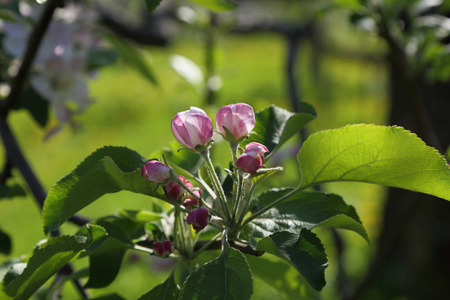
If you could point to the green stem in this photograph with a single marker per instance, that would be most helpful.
(216, 182)
(266, 208)
(204, 247)
(242, 210)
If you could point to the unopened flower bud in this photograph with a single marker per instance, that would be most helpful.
(192, 128)
(238, 119)
(163, 249)
(191, 201)
(199, 218)
(155, 171)
(175, 191)
(253, 158)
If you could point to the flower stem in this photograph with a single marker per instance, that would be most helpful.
(216, 182)
(266, 208)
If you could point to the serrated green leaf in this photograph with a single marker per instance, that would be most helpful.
(152, 4)
(45, 262)
(383, 155)
(132, 56)
(5, 243)
(304, 252)
(275, 126)
(304, 210)
(107, 170)
(282, 277)
(168, 290)
(214, 5)
(227, 277)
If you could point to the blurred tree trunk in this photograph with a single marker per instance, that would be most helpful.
(413, 255)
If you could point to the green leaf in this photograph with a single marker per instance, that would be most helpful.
(109, 297)
(141, 216)
(100, 57)
(168, 290)
(152, 4)
(132, 56)
(5, 243)
(383, 155)
(282, 277)
(105, 263)
(46, 261)
(304, 252)
(304, 210)
(36, 105)
(10, 191)
(275, 126)
(107, 170)
(227, 277)
(214, 5)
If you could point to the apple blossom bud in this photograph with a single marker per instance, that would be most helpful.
(192, 128)
(155, 171)
(252, 158)
(191, 201)
(163, 249)
(199, 218)
(238, 119)
(175, 191)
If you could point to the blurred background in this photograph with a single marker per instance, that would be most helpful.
(378, 62)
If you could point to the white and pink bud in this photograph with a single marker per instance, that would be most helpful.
(163, 249)
(253, 157)
(192, 128)
(176, 191)
(157, 172)
(198, 218)
(238, 119)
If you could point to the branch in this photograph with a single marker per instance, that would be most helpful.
(31, 50)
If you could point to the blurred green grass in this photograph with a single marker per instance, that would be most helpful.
(131, 112)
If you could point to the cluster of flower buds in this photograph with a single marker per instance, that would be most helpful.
(194, 130)
(163, 249)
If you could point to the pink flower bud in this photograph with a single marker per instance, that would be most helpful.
(163, 249)
(175, 191)
(155, 171)
(199, 218)
(191, 201)
(252, 158)
(192, 128)
(238, 119)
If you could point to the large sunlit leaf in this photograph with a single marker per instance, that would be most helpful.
(107, 170)
(282, 277)
(168, 290)
(304, 252)
(275, 126)
(383, 155)
(304, 210)
(227, 277)
(46, 261)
